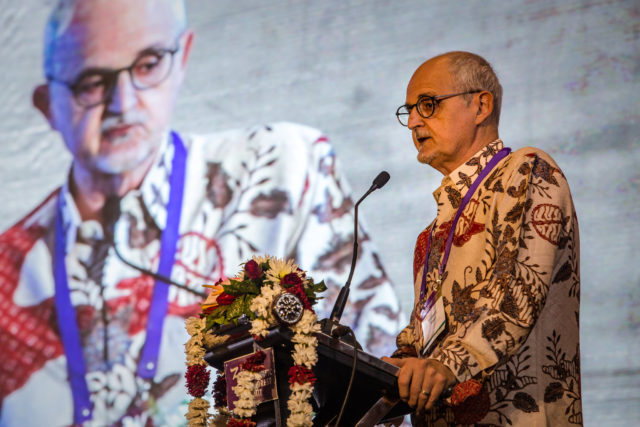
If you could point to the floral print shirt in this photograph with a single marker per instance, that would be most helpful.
(510, 290)
(266, 190)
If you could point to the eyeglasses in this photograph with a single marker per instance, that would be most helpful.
(95, 86)
(426, 106)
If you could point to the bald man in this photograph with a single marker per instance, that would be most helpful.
(496, 274)
(86, 339)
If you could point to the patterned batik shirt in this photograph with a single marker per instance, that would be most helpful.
(266, 190)
(510, 290)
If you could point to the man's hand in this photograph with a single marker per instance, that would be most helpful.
(421, 381)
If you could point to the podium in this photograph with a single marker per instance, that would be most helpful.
(374, 393)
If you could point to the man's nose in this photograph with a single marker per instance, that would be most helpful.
(415, 119)
(124, 95)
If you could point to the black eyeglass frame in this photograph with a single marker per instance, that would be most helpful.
(435, 101)
(111, 75)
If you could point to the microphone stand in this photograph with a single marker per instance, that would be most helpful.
(111, 215)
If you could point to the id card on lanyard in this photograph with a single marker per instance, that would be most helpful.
(431, 313)
(432, 319)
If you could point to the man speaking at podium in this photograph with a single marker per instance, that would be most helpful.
(86, 339)
(496, 273)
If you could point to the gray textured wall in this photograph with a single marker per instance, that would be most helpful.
(571, 76)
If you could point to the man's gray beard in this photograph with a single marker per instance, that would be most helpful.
(114, 165)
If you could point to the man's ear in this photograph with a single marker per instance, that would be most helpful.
(485, 107)
(187, 47)
(42, 101)
(184, 58)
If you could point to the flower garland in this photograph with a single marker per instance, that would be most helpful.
(301, 377)
(252, 294)
(197, 374)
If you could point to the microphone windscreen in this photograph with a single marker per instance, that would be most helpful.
(111, 213)
(381, 179)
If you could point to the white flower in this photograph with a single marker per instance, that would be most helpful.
(308, 324)
(272, 291)
(279, 268)
(308, 340)
(306, 388)
(245, 405)
(244, 413)
(195, 325)
(260, 259)
(260, 305)
(211, 340)
(259, 327)
(299, 419)
(195, 352)
(198, 413)
(306, 356)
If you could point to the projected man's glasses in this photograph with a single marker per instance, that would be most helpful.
(95, 86)
(426, 106)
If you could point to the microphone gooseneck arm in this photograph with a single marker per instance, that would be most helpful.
(343, 296)
(111, 215)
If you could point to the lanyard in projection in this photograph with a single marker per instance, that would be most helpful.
(66, 313)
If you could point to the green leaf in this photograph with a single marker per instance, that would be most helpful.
(247, 307)
(319, 287)
(236, 287)
(236, 308)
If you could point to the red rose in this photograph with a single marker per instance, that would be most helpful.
(301, 375)
(291, 279)
(253, 270)
(299, 292)
(225, 299)
(235, 422)
(255, 362)
(470, 402)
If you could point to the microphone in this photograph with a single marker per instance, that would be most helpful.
(343, 296)
(111, 213)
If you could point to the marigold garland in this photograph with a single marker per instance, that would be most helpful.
(251, 294)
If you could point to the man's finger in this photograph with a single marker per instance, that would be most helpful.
(423, 395)
(404, 382)
(394, 361)
(436, 391)
(417, 380)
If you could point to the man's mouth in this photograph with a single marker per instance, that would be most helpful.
(421, 139)
(116, 133)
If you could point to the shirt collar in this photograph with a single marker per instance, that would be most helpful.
(463, 176)
(154, 191)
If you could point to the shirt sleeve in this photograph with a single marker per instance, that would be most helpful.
(531, 245)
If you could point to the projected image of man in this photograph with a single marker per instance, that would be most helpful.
(93, 341)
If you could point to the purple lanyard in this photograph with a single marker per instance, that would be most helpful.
(467, 197)
(66, 314)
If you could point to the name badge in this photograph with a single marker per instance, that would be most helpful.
(433, 320)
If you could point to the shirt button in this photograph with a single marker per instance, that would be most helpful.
(86, 412)
(150, 365)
